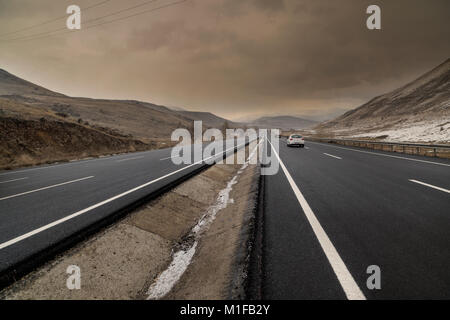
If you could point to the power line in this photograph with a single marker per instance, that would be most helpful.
(84, 22)
(121, 11)
(139, 13)
(50, 21)
(103, 23)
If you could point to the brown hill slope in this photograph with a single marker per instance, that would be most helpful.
(12, 85)
(142, 120)
(28, 142)
(208, 119)
(283, 122)
(38, 125)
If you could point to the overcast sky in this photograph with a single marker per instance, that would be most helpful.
(235, 58)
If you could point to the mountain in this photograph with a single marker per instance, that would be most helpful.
(12, 85)
(208, 119)
(283, 122)
(174, 108)
(418, 111)
(142, 120)
(39, 125)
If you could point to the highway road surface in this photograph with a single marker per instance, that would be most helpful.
(41, 206)
(333, 211)
(329, 213)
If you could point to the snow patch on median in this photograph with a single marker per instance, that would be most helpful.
(182, 258)
(172, 274)
(221, 203)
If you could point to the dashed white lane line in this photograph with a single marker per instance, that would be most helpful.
(135, 158)
(384, 155)
(40, 189)
(78, 213)
(13, 180)
(350, 287)
(177, 156)
(429, 185)
(330, 155)
(58, 165)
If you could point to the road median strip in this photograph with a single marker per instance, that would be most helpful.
(130, 254)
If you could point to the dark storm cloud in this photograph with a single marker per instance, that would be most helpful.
(239, 58)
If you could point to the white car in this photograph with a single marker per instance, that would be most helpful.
(295, 140)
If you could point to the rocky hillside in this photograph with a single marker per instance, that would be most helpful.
(27, 142)
(142, 120)
(209, 119)
(12, 85)
(418, 111)
(39, 125)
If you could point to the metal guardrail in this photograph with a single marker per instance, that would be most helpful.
(385, 142)
(429, 150)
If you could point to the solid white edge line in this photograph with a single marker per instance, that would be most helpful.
(78, 213)
(383, 155)
(13, 180)
(330, 155)
(44, 188)
(429, 185)
(348, 284)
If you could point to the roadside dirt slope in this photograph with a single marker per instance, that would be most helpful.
(27, 142)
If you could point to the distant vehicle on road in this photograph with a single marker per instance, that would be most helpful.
(295, 140)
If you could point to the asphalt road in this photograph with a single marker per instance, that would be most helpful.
(329, 213)
(333, 211)
(41, 206)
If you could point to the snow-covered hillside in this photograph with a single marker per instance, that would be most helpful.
(429, 132)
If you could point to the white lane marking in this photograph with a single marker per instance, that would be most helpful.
(383, 155)
(306, 147)
(13, 180)
(71, 162)
(135, 158)
(170, 157)
(346, 280)
(54, 165)
(40, 189)
(78, 213)
(429, 185)
(330, 155)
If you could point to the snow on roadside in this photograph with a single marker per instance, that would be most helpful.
(438, 132)
(182, 258)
